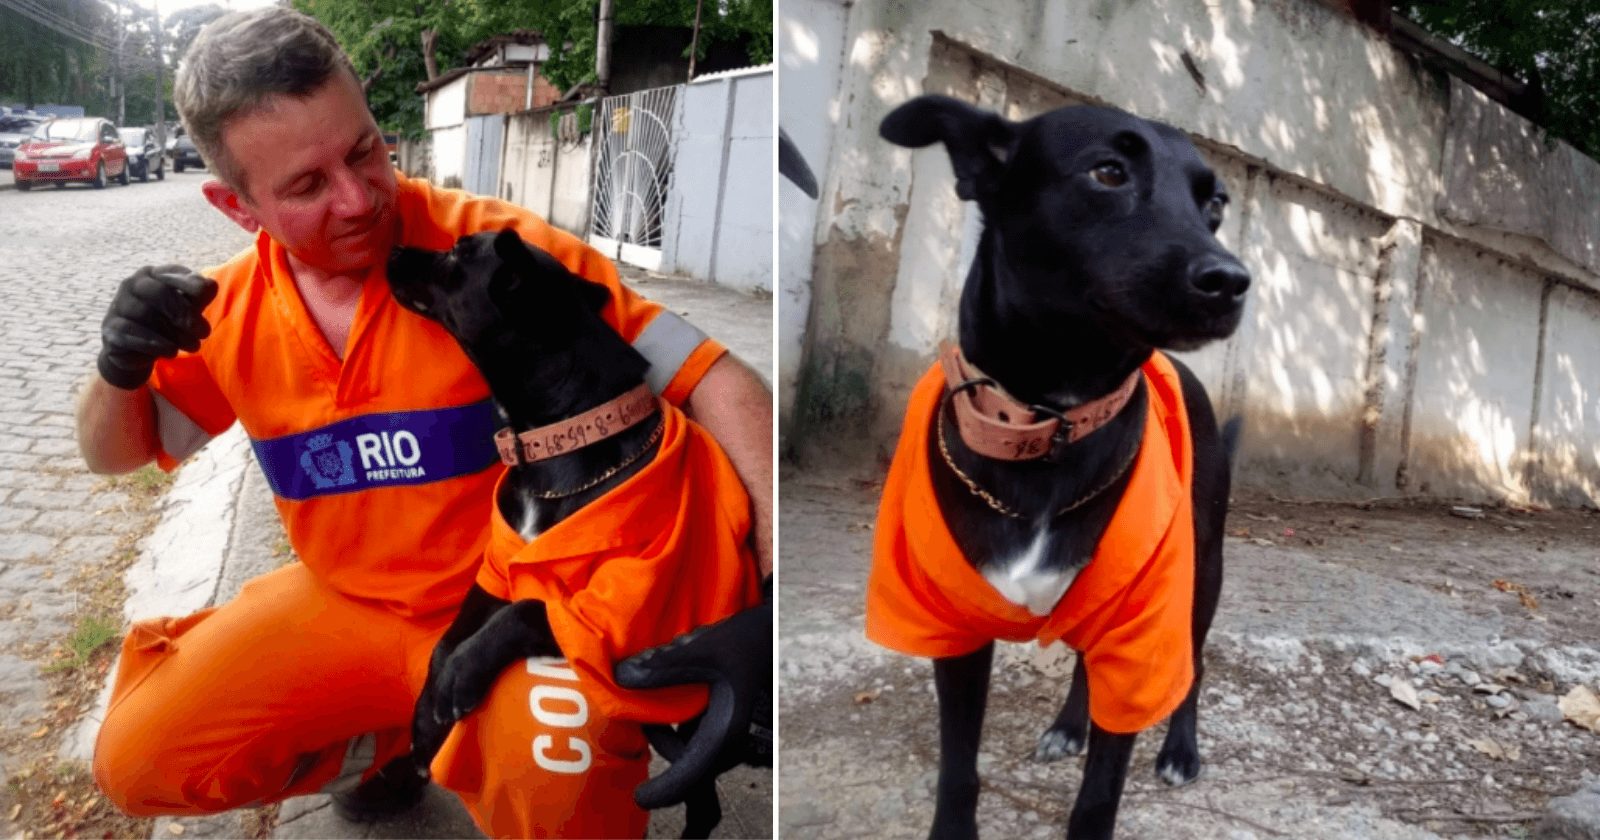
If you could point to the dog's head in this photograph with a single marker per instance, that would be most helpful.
(494, 292)
(1096, 213)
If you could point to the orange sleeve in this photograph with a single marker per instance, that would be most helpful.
(435, 218)
(1142, 667)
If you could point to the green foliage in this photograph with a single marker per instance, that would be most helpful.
(38, 64)
(384, 38)
(41, 63)
(1550, 44)
(92, 633)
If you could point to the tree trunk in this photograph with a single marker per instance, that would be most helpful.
(429, 38)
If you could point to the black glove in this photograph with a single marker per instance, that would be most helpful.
(735, 657)
(155, 313)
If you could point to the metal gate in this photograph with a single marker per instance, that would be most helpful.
(633, 165)
(485, 135)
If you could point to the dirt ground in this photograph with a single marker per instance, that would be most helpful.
(1325, 607)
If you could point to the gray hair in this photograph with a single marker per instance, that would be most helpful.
(239, 62)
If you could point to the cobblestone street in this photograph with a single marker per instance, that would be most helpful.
(64, 251)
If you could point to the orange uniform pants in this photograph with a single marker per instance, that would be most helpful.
(259, 699)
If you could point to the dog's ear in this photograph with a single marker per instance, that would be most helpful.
(528, 261)
(593, 295)
(978, 140)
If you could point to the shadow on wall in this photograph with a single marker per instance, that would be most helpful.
(1379, 352)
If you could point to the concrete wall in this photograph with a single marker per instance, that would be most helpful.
(446, 106)
(547, 170)
(1418, 323)
(717, 224)
(444, 115)
(811, 54)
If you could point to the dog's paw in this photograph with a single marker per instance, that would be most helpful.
(1178, 767)
(1056, 744)
(464, 682)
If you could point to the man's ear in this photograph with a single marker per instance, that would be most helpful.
(978, 140)
(227, 201)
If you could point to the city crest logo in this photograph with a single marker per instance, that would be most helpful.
(328, 463)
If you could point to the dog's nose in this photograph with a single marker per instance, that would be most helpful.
(1219, 278)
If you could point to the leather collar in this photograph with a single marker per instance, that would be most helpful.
(605, 420)
(996, 425)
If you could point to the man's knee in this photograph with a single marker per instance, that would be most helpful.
(131, 769)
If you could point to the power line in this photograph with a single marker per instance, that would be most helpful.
(70, 29)
(54, 22)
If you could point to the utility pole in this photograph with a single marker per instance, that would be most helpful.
(121, 85)
(602, 50)
(161, 82)
(694, 41)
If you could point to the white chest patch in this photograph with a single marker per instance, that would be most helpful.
(1020, 580)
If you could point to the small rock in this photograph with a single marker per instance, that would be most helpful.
(1427, 696)
(1387, 768)
(1232, 701)
(1543, 710)
(1429, 666)
(1497, 701)
(1383, 680)
(1574, 817)
(1470, 677)
(1360, 668)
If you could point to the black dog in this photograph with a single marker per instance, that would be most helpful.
(534, 331)
(1098, 247)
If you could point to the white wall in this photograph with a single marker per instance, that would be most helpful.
(444, 115)
(717, 224)
(449, 155)
(811, 51)
(547, 173)
(1404, 285)
(447, 106)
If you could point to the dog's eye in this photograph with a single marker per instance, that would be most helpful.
(1110, 174)
(1214, 211)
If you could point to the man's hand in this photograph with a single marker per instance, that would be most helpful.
(155, 313)
(735, 657)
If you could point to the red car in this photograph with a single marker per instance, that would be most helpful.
(71, 149)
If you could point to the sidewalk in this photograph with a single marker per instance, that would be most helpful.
(1324, 608)
(219, 528)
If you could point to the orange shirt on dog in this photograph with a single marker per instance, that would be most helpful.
(1128, 611)
(658, 555)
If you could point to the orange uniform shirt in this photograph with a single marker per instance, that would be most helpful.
(382, 463)
(660, 554)
(1128, 611)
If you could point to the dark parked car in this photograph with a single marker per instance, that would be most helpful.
(184, 153)
(71, 149)
(13, 130)
(144, 155)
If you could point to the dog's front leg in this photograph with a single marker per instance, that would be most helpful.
(1094, 815)
(962, 683)
(427, 731)
(517, 632)
(1070, 732)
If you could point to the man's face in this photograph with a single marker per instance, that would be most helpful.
(316, 177)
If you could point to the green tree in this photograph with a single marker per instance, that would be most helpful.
(41, 62)
(1552, 45)
(392, 43)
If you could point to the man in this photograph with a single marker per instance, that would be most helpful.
(309, 675)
